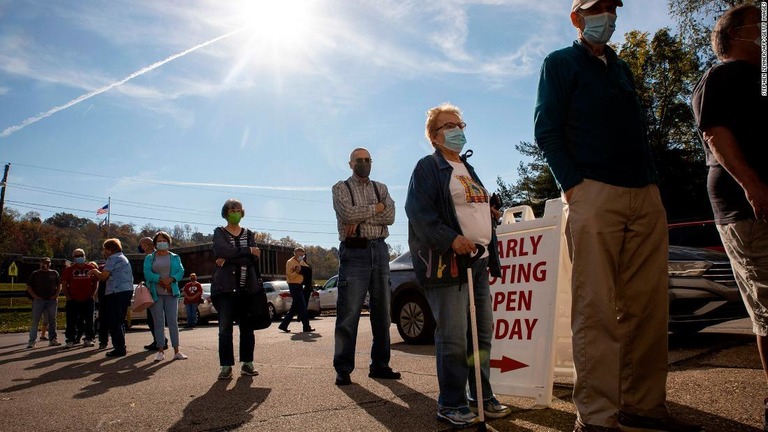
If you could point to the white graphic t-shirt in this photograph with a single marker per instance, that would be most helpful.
(472, 206)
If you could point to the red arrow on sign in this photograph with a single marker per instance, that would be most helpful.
(507, 364)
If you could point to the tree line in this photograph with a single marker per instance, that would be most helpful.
(59, 235)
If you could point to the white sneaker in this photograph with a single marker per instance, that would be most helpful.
(87, 343)
(159, 357)
(179, 356)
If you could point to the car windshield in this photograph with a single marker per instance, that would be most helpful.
(277, 285)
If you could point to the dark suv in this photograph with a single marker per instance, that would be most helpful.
(702, 292)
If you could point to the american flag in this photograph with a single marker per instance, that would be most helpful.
(103, 210)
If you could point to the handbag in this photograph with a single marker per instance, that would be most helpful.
(142, 298)
(261, 318)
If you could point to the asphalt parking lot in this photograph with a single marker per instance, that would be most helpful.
(715, 379)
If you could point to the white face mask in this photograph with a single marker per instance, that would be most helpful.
(598, 29)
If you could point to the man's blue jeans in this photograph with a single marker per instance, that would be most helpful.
(362, 271)
(191, 314)
(40, 307)
(453, 337)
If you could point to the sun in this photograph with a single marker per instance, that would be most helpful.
(279, 22)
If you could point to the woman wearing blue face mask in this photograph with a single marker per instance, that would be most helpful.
(449, 213)
(162, 272)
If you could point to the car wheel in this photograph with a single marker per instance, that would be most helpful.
(414, 319)
(272, 312)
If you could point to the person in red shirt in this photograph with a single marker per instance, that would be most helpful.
(193, 295)
(79, 289)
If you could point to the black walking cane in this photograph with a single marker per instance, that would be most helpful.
(475, 344)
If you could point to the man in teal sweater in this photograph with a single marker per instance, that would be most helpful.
(589, 125)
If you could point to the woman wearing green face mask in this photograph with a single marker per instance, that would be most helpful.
(235, 283)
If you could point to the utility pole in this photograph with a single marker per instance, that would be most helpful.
(3, 184)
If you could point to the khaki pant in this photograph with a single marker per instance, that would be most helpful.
(617, 240)
(746, 243)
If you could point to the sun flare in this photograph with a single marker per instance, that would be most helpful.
(281, 22)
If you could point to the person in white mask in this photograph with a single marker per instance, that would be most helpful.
(730, 108)
(589, 124)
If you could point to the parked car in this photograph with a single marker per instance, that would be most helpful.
(279, 300)
(700, 234)
(329, 295)
(702, 292)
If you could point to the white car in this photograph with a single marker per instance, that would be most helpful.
(329, 295)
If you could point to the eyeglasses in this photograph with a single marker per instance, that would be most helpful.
(363, 160)
(452, 125)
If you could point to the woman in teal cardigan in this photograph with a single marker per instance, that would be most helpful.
(162, 272)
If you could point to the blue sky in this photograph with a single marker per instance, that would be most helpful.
(170, 108)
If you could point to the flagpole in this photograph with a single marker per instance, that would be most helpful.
(109, 211)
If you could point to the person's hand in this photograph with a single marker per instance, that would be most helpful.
(92, 273)
(349, 229)
(758, 199)
(495, 214)
(463, 246)
(255, 251)
(380, 207)
(297, 268)
(220, 262)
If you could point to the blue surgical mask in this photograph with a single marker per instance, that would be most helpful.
(598, 29)
(162, 246)
(80, 260)
(454, 139)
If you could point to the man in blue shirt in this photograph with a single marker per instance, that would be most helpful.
(119, 277)
(589, 125)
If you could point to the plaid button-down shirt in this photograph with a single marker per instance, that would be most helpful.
(372, 225)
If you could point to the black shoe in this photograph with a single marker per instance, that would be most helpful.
(308, 329)
(115, 353)
(384, 373)
(342, 379)
(151, 347)
(581, 427)
(664, 424)
(285, 329)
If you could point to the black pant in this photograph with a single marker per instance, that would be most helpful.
(231, 307)
(103, 325)
(298, 307)
(116, 306)
(79, 313)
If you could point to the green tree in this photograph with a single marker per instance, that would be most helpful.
(665, 73)
(535, 183)
(67, 220)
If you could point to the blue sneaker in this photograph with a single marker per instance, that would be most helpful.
(458, 417)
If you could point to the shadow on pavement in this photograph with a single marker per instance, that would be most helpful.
(419, 410)
(306, 337)
(222, 409)
(121, 372)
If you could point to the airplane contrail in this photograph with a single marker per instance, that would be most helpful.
(8, 131)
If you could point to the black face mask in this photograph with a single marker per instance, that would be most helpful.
(362, 170)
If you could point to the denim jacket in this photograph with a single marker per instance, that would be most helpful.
(433, 225)
(152, 279)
